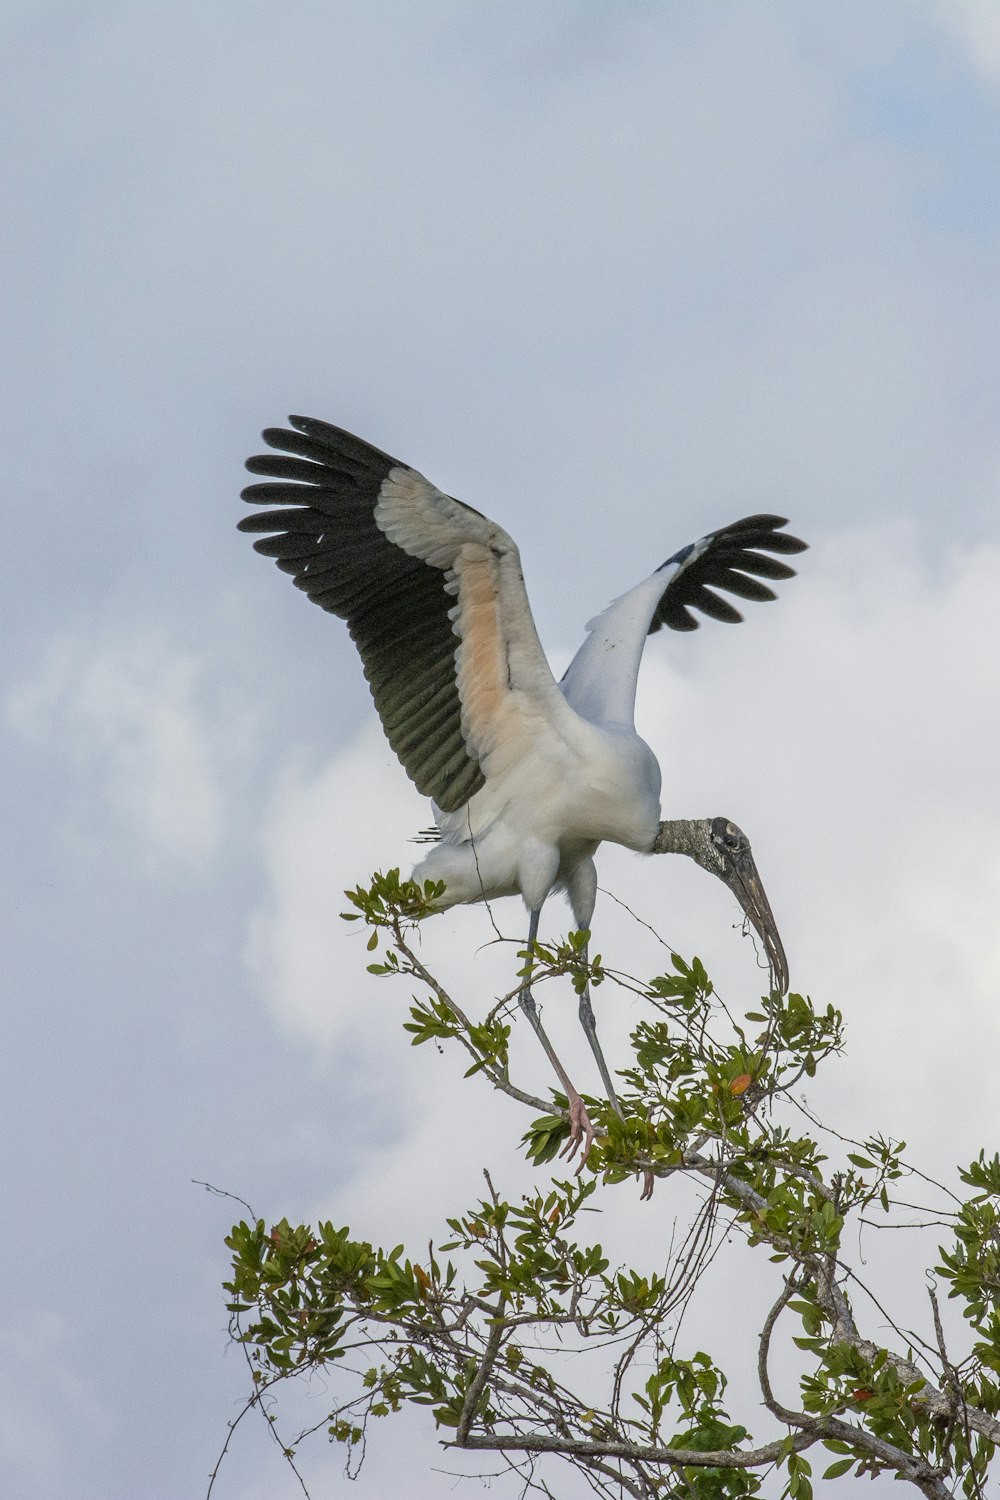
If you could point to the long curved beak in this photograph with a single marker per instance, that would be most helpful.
(740, 874)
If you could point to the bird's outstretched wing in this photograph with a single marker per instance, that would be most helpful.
(431, 590)
(601, 680)
(733, 559)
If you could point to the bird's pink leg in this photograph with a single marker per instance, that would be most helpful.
(580, 1126)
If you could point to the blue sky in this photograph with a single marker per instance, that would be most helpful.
(613, 274)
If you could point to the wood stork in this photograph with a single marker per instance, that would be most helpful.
(527, 775)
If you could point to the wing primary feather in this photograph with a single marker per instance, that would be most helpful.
(324, 484)
(732, 560)
(744, 586)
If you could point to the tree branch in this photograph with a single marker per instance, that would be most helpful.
(475, 1390)
(675, 1458)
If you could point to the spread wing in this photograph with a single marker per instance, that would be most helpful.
(600, 682)
(432, 593)
(733, 559)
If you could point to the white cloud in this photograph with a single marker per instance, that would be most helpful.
(975, 24)
(325, 830)
(135, 719)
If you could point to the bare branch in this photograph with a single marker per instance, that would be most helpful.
(673, 1458)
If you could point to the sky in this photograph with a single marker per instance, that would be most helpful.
(614, 274)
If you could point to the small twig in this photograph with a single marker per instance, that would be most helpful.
(224, 1193)
(636, 918)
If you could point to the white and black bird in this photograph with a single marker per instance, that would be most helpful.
(527, 775)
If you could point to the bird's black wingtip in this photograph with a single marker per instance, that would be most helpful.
(315, 427)
(764, 524)
(734, 560)
(275, 437)
(789, 544)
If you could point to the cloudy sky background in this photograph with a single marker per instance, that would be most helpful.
(615, 274)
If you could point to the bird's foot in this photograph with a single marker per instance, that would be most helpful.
(580, 1129)
(648, 1183)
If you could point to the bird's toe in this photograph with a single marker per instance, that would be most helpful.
(581, 1130)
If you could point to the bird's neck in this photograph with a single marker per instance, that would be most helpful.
(680, 836)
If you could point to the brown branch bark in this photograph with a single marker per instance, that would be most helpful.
(478, 1385)
(676, 1458)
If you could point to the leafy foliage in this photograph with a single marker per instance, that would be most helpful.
(494, 1328)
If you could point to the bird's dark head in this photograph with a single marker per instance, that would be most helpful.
(724, 850)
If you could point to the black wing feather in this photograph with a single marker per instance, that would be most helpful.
(733, 559)
(327, 483)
